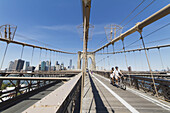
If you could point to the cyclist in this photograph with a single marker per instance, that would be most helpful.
(112, 76)
(117, 75)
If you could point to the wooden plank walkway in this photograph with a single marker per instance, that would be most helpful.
(102, 97)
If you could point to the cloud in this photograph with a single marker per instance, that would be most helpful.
(70, 28)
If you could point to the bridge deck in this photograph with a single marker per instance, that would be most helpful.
(25, 103)
(101, 96)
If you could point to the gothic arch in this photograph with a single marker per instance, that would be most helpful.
(89, 55)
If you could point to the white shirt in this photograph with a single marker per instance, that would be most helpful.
(111, 75)
(116, 73)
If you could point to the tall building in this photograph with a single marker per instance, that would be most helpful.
(26, 65)
(70, 66)
(62, 66)
(11, 66)
(57, 66)
(18, 64)
(48, 64)
(56, 63)
(43, 66)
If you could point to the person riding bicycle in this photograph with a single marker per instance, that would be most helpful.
(111, 76)
(117, 75)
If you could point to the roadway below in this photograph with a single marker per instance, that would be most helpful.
(27, 102)
(102, 97)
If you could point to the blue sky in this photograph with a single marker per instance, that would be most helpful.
(54, 22)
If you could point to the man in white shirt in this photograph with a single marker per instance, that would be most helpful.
(117, 74)
(111, 75)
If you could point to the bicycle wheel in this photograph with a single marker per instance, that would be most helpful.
(123, 86)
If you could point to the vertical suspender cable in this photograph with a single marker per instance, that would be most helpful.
(32, 55)
(40, 55)
(125, 53)
(135, 61)
(141, 61)
(114, 55)
(161, 58)
(149, 65)
(4, 55)
(22, 51)
(46, 55)
(126, 60)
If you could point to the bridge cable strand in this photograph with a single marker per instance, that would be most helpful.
(104, 40)
(139, 12)
(50, 61)
(126, 60)
(149, 34)
(149, 64)
(4, 55)
(22, 51)
(54, 59)
(32, 55)
(161, 58)
(141, 60)
(46, 55)
(114, 55)
(40, 55)
(131, 12)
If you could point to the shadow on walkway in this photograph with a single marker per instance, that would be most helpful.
(100, 107)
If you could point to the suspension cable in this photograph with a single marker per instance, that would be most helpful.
(4, 55)
(32, 55)
(131, 12)
(149, 64)
(40, 55)
(22, 51)
(141, 60)
(126, 60)
(114, 57)
(139, 12)
(46, 55)
(161, 58)
(124, 53)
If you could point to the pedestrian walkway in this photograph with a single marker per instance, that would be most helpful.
(102, 97)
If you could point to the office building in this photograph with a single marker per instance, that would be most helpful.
(43, 66)
(26, 65)
(11, 66)
(70, 66)
(18, 64)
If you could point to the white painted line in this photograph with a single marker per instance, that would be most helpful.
(164, 106)
(128, 106)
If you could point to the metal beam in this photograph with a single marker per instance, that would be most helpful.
(139, 49)
(43, 72)
(139, 26)
(34, 78)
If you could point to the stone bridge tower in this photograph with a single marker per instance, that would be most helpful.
(89, 55)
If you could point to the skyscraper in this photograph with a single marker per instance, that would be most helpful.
(62, 66)
(48, 64)
(26, 65)
(70, 66)
(18, 64)
(11, 66)
(43, 66)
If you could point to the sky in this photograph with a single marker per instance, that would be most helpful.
(53, 24)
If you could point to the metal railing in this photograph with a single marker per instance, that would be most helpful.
(15, 87)
(142, 81)
(65, 99)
